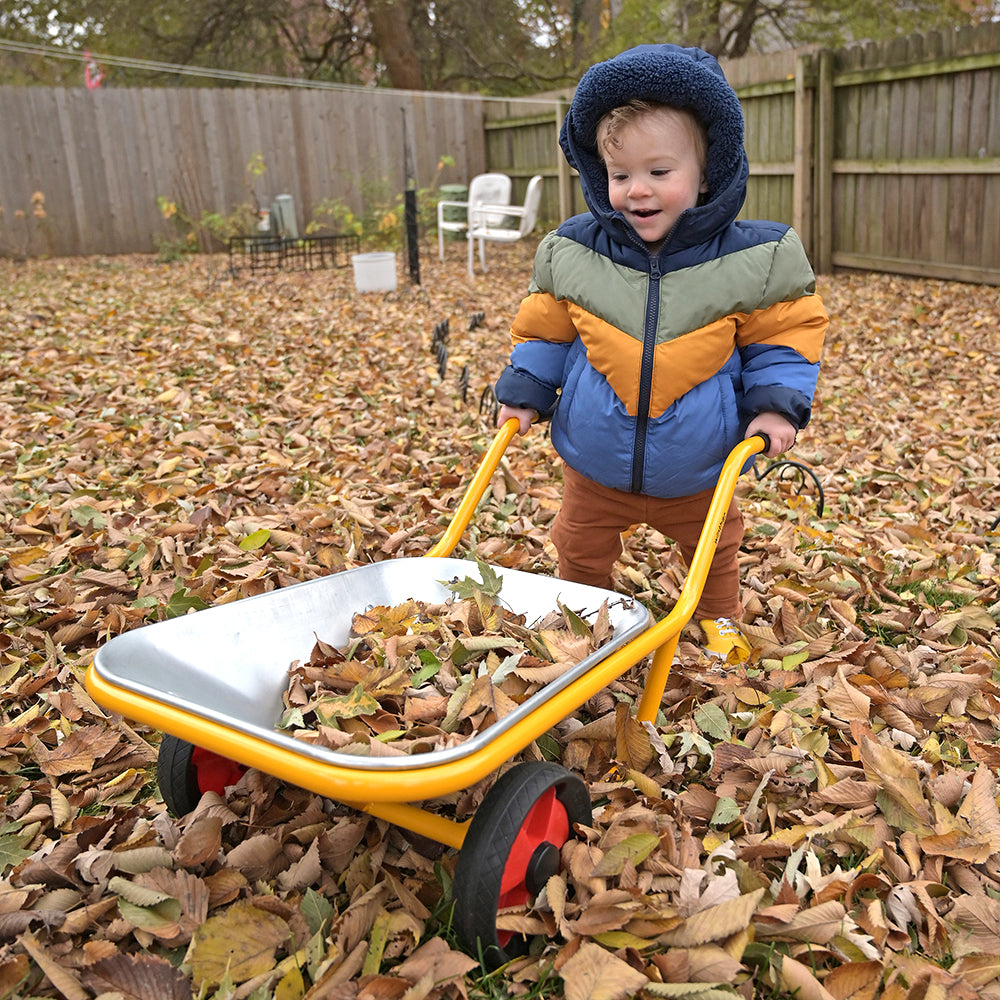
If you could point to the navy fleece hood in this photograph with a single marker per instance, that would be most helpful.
(668, 74)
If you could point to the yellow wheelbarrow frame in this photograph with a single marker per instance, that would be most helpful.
(389, 795)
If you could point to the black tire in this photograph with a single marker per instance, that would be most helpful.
(185, 772)
(553, 799)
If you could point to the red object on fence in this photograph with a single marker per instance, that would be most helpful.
(93, 74)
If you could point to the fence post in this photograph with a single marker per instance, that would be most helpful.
(802, 172)
(562, 167)
(823, 249)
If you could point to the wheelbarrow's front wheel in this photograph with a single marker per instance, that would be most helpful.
(185, 772)
(511, 849)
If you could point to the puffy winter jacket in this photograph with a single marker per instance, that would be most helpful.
(651, 366)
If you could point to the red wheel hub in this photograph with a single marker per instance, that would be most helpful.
(214, 772)
(534, 854)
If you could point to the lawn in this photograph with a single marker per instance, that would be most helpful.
(822, 822)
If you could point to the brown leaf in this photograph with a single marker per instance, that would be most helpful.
(799, 980)
(200, 842)
(436, 959)
(78, 752)
(63, 979)
(716, 923)
(595, 974)
(138, 977)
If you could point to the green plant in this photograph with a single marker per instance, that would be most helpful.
(209, 230)
(381, 221)
(20, 228)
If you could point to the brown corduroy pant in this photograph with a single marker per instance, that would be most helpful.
(587, 535)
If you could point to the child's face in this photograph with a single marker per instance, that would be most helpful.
(655, 173)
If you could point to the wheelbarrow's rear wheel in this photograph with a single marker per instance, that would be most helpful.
(511, 849)
(185, 772)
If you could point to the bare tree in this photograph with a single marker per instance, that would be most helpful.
(392, 37)
(506, 47)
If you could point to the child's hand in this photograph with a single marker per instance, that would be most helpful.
(525, 418)
(780, 430)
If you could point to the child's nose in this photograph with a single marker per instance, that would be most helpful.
(639, 188)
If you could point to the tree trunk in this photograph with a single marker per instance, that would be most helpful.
(738, 42)
(585, 29)
(394, 41)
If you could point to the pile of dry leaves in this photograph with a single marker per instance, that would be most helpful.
(418, 677)
(822, 822)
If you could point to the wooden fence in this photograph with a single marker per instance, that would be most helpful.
(103, 158)
(884, 157)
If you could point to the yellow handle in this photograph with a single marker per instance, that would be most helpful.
(662, 637)
(475, 490)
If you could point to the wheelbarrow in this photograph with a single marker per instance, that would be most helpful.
(212, 683)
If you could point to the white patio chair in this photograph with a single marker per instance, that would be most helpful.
(492, 189)
(499, 224)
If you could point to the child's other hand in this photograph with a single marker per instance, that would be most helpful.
(525, 418)
(780, 430)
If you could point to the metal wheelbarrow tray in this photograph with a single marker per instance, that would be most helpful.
(213, 681)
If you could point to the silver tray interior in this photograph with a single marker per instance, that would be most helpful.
(230, 663)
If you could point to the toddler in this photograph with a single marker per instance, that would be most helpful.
(658, 330)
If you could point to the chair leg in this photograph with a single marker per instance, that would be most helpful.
(440, 242)
(482, 255)
(469, 240)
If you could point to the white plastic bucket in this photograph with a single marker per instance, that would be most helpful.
(374, 272)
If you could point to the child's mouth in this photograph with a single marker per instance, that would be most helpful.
(645, 213)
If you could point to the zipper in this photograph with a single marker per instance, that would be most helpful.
(646, 374)
(648, 352)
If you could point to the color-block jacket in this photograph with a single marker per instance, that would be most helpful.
(651, 366)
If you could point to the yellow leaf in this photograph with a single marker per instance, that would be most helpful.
(632, 743)
(635, 849)
(255, 540)
(645, 784)
(387, 620)
(239, 943)
(860, 980)
(751, 696)
(695, 991)
(291, 986)
(899, 784)
(168, 465)
(977, 970)
(331, 708)
(622, 939)
(62, 811)
(25, 557)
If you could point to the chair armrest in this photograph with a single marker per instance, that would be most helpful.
(442, 205)
(481, 211)
(482, 206)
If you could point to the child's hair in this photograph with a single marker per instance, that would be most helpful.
(610, 126)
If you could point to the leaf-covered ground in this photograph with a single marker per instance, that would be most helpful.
(822, 822)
